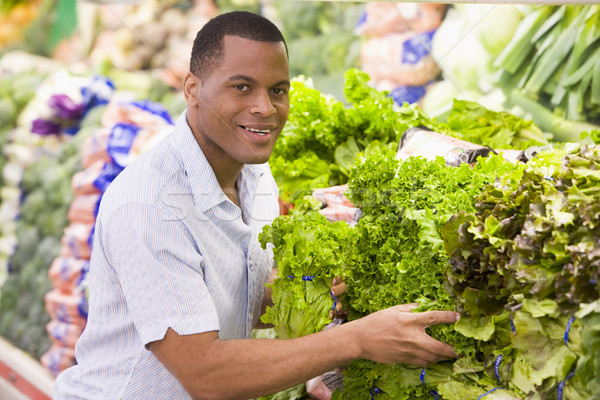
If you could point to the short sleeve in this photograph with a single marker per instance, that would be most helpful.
(160, 272)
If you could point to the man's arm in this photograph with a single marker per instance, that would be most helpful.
(209, 368)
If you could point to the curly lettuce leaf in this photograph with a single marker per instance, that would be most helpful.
(309, 251)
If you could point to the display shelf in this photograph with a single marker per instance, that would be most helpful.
(21, 377)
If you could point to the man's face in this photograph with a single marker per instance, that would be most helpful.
(239, 109)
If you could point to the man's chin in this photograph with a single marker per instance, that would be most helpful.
(258, 159)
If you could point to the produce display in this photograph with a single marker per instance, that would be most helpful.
(540, 63)
(12, 102)
(503, 228)
(406, 234)
(42, 157)
(43, 216)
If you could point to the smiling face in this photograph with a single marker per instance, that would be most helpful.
(238, 110)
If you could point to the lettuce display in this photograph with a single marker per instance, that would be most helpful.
(401, 259)
(310, 252)
(529, 325)
(530, 253)
(323, 136)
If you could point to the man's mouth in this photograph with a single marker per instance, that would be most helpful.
(260, 132)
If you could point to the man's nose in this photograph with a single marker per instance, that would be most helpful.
(263, 105)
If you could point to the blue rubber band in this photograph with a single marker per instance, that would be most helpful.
(432, 392)
(435, 394)
(568, 329)
(562, 384)
(334, 300)
(374, 390)
(304, 277)
(490, 391)
(497, 367)
(512, 326)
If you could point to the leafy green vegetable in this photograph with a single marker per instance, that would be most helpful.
(553, 57)
(309, 252)
(322, 132)
(530, 249)
(400, 257)
(498, 130)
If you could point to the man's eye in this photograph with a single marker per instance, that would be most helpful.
(242, 87)
(279, 91)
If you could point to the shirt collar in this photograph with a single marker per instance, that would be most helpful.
(204, 185)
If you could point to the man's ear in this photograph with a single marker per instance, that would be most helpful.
(191, 87)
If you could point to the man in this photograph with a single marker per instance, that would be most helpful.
(177, 275)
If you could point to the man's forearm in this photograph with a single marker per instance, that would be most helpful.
(242, 369)
(209, 368)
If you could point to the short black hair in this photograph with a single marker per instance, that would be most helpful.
(207, 51)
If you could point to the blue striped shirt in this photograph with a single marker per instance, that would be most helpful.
(170, 250)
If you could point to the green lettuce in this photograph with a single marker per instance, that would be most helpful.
(400, 258)
(323, 136)
(529, 250)
(498, 130)
(310, 252)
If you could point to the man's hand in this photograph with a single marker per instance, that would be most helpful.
(397, 335)
(338, 287)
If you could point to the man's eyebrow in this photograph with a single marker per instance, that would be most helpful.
(249, 79)
(241, 77)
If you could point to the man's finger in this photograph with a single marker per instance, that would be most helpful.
(338, 288)
(424, 358)
(430, 318)
(442, 351)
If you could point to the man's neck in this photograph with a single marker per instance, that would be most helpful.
(227, 176)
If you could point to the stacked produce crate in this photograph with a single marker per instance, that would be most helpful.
(127, 129)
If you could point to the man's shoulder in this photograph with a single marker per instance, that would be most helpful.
(145, 179)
